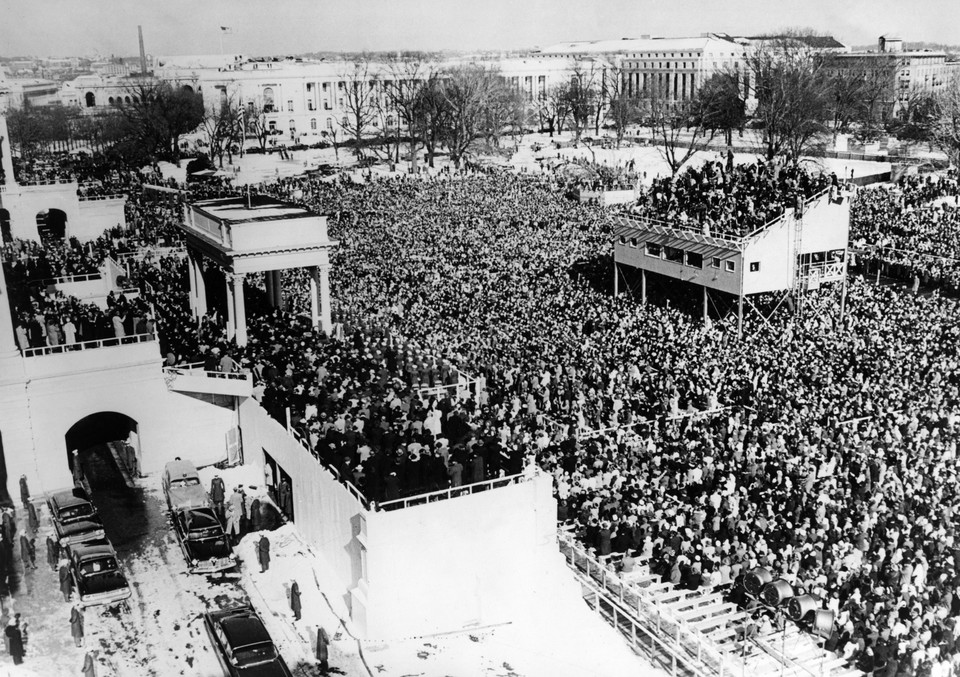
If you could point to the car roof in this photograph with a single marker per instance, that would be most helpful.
(67, 498)
(180, 468)
(242, 627)
(83, 550)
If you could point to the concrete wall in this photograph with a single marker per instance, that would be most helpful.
(326, 513)
(459, 563)
(53, 392)
(86, 220)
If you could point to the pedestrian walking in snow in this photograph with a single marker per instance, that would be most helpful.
(33, 519)
(89, 665)
(66, 580)
(323, 643)
(233, 525)
(217, 494)
(14, 641)
(26, 548)
(263, 553)
(76, 624)
(295, 600)
(53, 552)
(24, 491)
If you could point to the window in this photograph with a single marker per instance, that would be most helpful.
(730, 266)
(715, 262)
(623, 239)
(673, 254)
(292, 125)
(272, 124)
(654, 250)
(754, 266)
(313, 123)
(268, 99)
(633, 242)
(695, 260)
(330, 124)
(289, 105)
(310, 105)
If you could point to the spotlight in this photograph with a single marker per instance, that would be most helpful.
(755, 579)
(776, 593)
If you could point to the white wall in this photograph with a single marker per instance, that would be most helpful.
(86, 220)
(53, 392)
(325, 512)
(467, 561)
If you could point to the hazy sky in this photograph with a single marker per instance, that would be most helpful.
(88, 27)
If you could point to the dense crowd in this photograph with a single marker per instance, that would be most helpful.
(730, 199)
(912, 230)
(823, 449)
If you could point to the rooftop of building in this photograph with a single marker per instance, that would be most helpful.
(643, 44)
(247, 210)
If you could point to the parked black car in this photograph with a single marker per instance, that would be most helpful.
(97, 575)
(75, 520)
(203, 541)
(243, 644)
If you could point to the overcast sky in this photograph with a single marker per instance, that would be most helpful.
(259, 27)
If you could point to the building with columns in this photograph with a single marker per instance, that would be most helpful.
(228, 238)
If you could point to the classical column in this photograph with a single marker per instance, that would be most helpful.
(268, 281)
(231, 311)
(8, 343)
(191, 270)
(314, 296)
(200, 287)
(277, 288)
(239, 309)
(324, 282)
(616, 280)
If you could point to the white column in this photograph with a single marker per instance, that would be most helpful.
(314, 296)
(201, 293)
(231, 311)
(240, 310)
(325, 322)
(268, 280)
(277, 288)
(7, 156)
(193, 283)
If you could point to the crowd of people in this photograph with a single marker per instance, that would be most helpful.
(474, 334)
(912, 230)
(730, 199)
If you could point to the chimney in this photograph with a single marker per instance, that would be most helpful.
(143, 52)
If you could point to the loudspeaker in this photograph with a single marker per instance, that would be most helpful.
(776, 593)
(755, 579)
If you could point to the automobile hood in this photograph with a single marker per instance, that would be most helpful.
(188, 497)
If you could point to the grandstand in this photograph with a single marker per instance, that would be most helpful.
(797, 251)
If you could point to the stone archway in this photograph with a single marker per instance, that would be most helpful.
(90, 99)
(101, 429)
(52, 224)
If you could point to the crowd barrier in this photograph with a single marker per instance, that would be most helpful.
(88, 345)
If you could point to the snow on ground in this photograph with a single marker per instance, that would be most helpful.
(561, 636)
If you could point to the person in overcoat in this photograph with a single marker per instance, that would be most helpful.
(14, 641)
(295, 600)
(263, 553)
(66, 580)
(76, 624)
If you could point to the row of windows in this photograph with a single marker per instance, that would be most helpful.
(692, 259)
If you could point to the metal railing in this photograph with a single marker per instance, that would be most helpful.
(683, 229)
(111, 196)
(196, 369)
(89, 345)
(66, 279)
(687, 646)
(454, 492)
(356, 493)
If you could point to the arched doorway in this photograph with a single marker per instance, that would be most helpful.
(5, 232)
(105, 429)
(52, 224)
(90, 99)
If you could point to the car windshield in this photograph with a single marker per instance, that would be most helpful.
(98, 566)
(76, 511)
(199, 521)
(258, 653)
(185, 482)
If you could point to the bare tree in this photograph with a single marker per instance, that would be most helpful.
(623, 110)
(793, 97)
(582, 95)
(679, 128)
(467, 90)
(720, 104)
(257, 126)
(405, 94)
(554, 107)
(504, 110)
(360, 101)
(222, 127)
(946, 126)
(433, 115)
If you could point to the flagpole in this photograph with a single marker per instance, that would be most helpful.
(221, 40)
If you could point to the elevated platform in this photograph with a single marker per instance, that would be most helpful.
(798, 250)
(193, 378)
